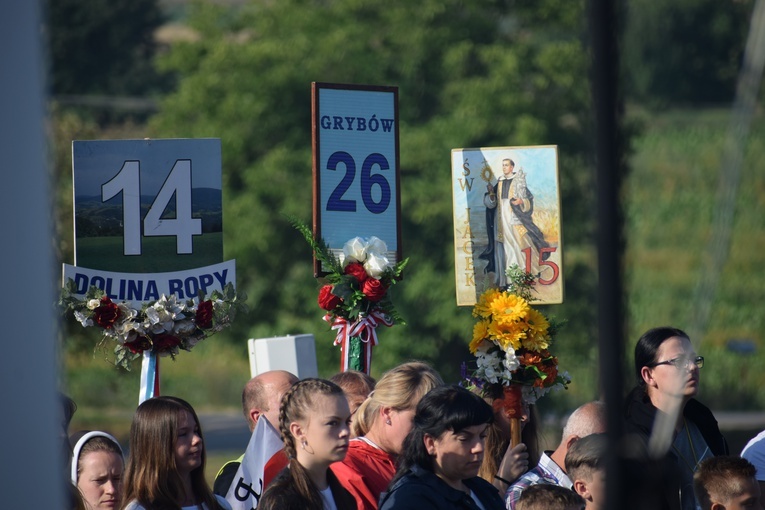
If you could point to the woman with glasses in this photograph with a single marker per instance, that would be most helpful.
(662, 405)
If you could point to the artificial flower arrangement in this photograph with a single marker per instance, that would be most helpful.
(355, 294)
(511, 342)
(161, 327)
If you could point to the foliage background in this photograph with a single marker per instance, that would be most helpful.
(479, 73)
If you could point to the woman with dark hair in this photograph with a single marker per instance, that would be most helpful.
(438, 467)
(166, 467)
(667, 370)
(314, 413)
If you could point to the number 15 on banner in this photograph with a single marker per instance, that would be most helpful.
(356, 165)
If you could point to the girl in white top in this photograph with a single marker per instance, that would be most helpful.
(166, 466)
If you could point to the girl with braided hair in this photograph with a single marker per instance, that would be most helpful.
(314, 414)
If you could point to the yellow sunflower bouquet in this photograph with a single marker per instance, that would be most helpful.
(511, 341)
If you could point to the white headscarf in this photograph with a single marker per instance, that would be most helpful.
(81, 442)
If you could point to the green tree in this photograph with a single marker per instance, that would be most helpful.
(103, 47)
(684, 51)
(469, 74)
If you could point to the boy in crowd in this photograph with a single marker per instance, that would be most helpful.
(546, 496)
(726, 483)
(585, 465)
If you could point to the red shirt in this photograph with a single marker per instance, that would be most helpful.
(365, 472)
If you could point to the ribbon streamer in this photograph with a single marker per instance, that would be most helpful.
(365, 329)
(149, 377)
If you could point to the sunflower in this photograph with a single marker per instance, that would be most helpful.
(537, 323)
(535, 341)
(509, 308)
(480, 332)
(481, 308)
(506, 335)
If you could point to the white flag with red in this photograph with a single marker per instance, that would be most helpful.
(263, 455)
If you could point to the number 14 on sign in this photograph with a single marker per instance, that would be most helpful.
(178, 184)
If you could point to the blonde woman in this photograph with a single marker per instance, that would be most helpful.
(381, 424)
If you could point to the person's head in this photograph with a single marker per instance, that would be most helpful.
(589, 418)
(726, 483)
(585, 467)
(386, 416)
(314, 422)
(263, 393)
(356, 385)
(96, 469)
(166, 451)
(66, 410)
(448, 434)
(498, 436)
(508, 166)
(545, 496)
(666, 364)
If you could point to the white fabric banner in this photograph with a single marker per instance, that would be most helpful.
(247, 486)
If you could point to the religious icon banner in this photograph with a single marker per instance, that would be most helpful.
(507, 212)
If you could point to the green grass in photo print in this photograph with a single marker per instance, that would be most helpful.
(158, 254)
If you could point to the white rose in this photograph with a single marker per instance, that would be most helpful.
(93, 304)
(355, 250)
(376, 265)
(376, 246)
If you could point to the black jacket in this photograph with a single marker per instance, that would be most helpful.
(281, 494)
(639, 415)
(659, 478)
(420, 489)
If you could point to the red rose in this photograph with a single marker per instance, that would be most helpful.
(204, 315)
(107, 313)
(164, 342)
(357, 270)
(327, 300)
(138, 345)
(374, 289)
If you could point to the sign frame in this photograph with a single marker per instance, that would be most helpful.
(146, 170)
(371, 165)
(474, 170)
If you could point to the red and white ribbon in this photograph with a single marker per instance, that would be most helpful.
(365, 328)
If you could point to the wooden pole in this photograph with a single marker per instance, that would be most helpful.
(515, 432)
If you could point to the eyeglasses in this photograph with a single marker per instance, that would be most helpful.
(681, 362)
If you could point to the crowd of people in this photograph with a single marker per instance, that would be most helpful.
(410, 441)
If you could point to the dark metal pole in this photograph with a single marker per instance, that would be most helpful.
(605, 64)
